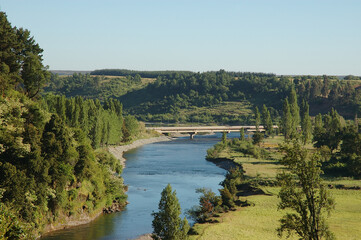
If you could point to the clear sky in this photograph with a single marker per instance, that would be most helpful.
(277, 36)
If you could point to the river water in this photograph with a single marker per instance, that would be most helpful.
(148, 170)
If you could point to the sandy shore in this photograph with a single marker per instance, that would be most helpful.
(118, 151)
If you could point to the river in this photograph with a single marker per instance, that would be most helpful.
(149, 169)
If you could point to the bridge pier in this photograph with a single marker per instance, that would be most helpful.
(191, 134)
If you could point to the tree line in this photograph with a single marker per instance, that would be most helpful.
(169, 96)
(143, 74)
(332, 135)
(104, 124)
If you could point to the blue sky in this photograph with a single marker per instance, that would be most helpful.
(278, 36)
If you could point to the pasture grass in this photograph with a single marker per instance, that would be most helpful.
(261, 220)
(225, 109)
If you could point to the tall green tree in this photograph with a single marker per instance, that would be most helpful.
(21, 59)
(267, 121)
(303, 191)
(306, 124)
(257, 118)
(325, 87)
(242, 136)
(224, 137)
(167, 224)
(286, 120)
(34, 74)
(295, 113)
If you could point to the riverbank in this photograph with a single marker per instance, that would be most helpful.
(68, 222)
(85, 218)
(118, 151)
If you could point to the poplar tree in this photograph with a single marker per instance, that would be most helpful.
(167, 224)
(257, 117)
(286, 120)
(242, 136)
(224, 137)
(61, 108)
(267, 121)
(325, 86)
(306, 122)
(295, 113)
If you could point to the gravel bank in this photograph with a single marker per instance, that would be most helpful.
(145, 237)
(119, 150)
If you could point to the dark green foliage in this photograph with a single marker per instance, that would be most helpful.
(248, 148)
(20, 60)
(347, 162)
(325, 87)
(144, 74)
(242, 136)
(286, 120)
(212, 153)
(339, 144)
(103, 124)
(107, 159)
(351, 77)
(257, 117)
(164, 99)
(94, 87)
(257, 137)
(227, 198)
(303, 191)
(224, 138)
(42, 161)
(327, 131)
(306, 124)
(48, 170)
(132, 126)
(295, 113)
(209, 203)
(233, 178)
(233, 175)
(10, 225)
(267, 121)
(167, 223)
(168, 95)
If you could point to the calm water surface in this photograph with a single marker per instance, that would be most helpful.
(148, 170)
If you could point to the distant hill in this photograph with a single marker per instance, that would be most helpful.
(210, 97)
(68, 72)
(143, 74)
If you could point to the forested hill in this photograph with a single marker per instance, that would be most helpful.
(187, 96)
(51, 167)
(221, 97)
(143, 74)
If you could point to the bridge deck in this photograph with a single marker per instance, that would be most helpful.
(196, 129)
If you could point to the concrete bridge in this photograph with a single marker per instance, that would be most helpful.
(193, 130)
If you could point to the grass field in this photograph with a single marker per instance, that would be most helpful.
(261, 220)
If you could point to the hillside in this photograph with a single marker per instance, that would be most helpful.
(211, 97)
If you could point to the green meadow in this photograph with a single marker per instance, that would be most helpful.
(261, 220)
